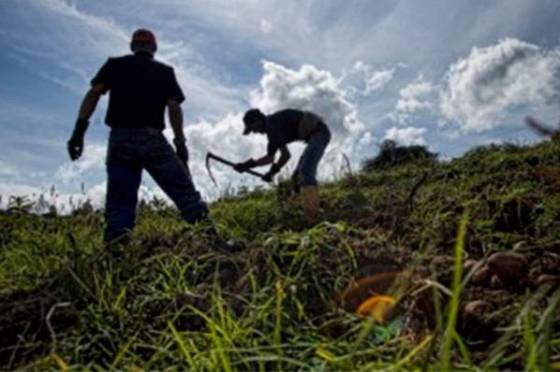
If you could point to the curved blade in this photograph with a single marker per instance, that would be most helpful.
(208, 157)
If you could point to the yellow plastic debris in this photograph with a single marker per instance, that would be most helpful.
(377, 306)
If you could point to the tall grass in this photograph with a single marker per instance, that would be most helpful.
(170, 300)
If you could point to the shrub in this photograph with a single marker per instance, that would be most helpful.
(391, 154)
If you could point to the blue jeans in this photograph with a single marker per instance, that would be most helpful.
(305, 173)
(130, 151)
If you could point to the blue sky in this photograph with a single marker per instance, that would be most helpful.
(447, 74)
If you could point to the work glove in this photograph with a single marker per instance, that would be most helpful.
(269, 176)
(245, 166)
(181, 150)
(75, 144)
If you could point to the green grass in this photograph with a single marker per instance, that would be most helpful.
(172, 301)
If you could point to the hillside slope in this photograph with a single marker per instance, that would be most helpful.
(469, 249)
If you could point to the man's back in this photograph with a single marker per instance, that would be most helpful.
(139, 89)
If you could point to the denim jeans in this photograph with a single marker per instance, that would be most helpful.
(305, 173)
(130, 151)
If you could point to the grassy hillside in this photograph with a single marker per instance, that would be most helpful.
(287, 298)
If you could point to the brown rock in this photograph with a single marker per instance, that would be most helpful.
(534, 273)
(510, 267)
(548, 280)
(496, 282)
(476, 309)
(481, 276)
(475, 324)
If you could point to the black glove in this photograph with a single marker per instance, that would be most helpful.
(245, 166)
(75, 144)
(181, 150)
(269, 176)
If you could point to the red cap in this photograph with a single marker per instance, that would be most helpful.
(143, 36)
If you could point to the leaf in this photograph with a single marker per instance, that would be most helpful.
(326, 355)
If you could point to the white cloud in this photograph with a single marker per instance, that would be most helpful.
(363, 79)
(7, 170)
(8, 189)
(317, 90)
(417, 96)
(266, 26)
(406, 136)
(73, 50)
(308, 88)
(93, 159)
(483, 88)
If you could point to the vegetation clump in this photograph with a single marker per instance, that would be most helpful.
(467, 254)
(391, 154)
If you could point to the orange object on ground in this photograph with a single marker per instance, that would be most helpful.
(377, 306)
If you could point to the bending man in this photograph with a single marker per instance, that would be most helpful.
(282, 128)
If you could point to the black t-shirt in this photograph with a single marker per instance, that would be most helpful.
(282, 128)
(139, 89)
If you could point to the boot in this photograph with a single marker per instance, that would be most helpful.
(310, 201)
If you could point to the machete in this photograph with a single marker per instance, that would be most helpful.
(211, 156)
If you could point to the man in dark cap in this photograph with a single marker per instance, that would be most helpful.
(140, 88)
(282, 128)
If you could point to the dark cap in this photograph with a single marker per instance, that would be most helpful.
(250, 117)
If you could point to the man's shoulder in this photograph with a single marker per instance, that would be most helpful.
(285, 115)
(130, 58)
(118, 59)
(162, 65)
(287, 111)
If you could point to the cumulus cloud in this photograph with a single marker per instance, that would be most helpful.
(483, 88)
(417, 96)
(317, 90)
(93, 159)
(308, 88)
(406, 136)
(363, 79)
(224, 138)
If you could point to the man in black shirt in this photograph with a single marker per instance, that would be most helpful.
(140, 90)
(282, 128)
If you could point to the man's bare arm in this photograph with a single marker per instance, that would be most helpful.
(89, 103)
(175, 114)
(269, 159)
(75, 144)
(265, 160)
(284, 157)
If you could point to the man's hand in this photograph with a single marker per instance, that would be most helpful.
(181, 150)
(75, 144)
(244, 166)
(269, 176)
(75, 147)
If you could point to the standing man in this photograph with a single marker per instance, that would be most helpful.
(140, 90)
(282, 128)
